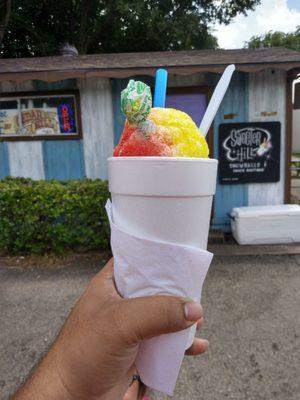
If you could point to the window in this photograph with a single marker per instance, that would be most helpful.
(38, 115)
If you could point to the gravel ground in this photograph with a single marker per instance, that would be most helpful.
(252, 321)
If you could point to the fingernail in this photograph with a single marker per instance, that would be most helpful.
(193, 311)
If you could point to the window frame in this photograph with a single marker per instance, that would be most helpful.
(74, 92)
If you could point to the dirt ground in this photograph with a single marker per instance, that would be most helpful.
(252, 321)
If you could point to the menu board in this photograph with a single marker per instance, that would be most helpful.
(249, 152)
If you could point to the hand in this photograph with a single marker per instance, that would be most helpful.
(93, 356)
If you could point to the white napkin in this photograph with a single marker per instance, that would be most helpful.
(144, 267)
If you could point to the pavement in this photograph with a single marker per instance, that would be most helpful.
(252, 321)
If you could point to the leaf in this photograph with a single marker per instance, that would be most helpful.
(53, 216)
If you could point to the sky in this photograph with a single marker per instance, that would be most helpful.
(280, 15)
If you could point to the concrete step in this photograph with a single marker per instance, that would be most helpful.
(255, 250)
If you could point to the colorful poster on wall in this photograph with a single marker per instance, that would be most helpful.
(40, 121)
(249, 152)
(9, 122)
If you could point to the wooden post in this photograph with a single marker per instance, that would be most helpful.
(288, 137)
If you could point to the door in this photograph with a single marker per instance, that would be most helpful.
(190, 100)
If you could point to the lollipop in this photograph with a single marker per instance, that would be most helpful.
(136, 102)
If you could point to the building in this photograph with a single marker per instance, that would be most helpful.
(60, 116)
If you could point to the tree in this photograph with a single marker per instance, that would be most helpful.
(38, 27)
(275, 39)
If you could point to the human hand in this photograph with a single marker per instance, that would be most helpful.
(93, 356)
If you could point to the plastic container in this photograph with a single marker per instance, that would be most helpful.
(266, 224)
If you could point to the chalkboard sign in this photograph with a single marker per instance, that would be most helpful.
(249, 152)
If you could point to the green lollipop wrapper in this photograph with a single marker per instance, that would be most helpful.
(136, 102)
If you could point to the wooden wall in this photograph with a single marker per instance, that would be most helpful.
(4, 165)
(22, 158)
(97, 125)
(296, 131)
(234, 108)
(267, 102)
(26, 159)
(62, 159)
(65, 159)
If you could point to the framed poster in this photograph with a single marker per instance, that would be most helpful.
(40, 115)
(249, 152)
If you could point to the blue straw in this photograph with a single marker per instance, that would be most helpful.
(160, 88)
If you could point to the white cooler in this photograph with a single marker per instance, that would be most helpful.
(266, 224)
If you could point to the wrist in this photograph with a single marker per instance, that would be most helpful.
(45, 382)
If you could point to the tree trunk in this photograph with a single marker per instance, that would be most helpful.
(83, 39)
(5, 20)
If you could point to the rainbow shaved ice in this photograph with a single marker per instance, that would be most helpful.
(163, 132)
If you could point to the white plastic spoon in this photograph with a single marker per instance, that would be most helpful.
(216, 99)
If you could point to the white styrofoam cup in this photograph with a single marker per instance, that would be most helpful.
(163, 198)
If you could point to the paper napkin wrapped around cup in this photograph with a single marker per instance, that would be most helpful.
(145, 267)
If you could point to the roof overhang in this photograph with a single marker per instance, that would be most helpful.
(123, 65)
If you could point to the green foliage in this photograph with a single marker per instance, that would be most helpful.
(38, 27)
(53, 216)
(276, 39)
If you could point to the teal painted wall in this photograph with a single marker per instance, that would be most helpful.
(236, 103)
(63, 159)
(4, 167)
(117, 86)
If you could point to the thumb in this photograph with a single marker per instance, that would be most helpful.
(145, 317)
